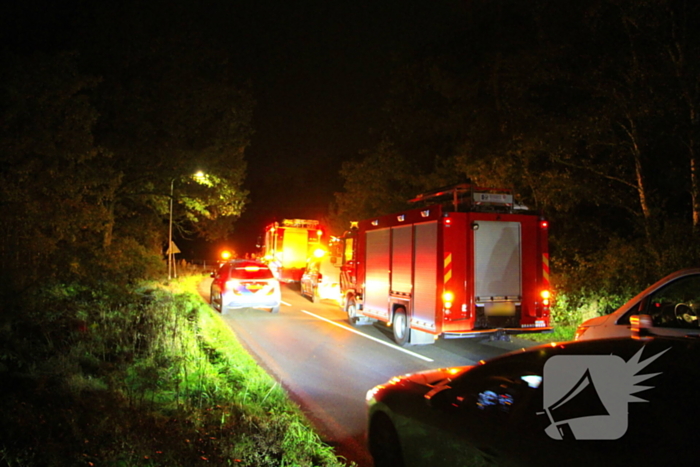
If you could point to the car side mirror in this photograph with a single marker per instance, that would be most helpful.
(640, 326)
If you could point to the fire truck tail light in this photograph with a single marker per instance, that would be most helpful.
(544, 224)
(447, 299)
(545, 297)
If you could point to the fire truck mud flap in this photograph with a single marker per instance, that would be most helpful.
(421, 337)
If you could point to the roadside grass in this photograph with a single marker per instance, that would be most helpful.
(561, 333)
(146, 377)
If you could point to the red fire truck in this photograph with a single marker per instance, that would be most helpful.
(475, 266)
(288, 244)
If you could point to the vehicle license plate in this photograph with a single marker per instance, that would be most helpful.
(499, 309)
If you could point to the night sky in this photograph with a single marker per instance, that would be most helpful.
(319, 71)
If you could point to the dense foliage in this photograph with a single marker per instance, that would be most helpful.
(587, 110)
(139, 376)
(101, 128)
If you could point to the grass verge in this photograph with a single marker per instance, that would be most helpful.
(561, 333)
(144, 377)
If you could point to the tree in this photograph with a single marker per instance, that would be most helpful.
(170, 105)
(534, 96)
(379, 183)
(94, 141)
(50, 185)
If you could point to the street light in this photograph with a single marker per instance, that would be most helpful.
(170, 233)
(199, 176)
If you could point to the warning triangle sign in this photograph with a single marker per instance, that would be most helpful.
(173, 249)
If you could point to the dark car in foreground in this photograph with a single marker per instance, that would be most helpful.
(624, 401)
(245, 284)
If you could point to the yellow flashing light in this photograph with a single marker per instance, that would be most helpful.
(319, 253)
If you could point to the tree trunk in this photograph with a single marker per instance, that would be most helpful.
(109, 228)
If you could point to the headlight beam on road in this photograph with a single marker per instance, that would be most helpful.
(395, 347)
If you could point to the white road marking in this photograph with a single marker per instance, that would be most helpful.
(369, 337)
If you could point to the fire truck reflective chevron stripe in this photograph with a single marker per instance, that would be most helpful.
(545, 270)
(447, 268)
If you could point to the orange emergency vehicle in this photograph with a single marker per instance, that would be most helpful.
(288, 244)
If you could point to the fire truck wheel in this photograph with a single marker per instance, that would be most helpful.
(351, 310)
(401, 330)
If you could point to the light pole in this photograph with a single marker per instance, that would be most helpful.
(200, 177)
(170, 233)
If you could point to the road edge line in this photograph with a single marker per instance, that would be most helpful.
(396, 347)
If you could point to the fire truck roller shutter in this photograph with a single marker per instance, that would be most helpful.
(426, 270)
(401, 259)
(377, 273)
(295, 251)
(498, 260)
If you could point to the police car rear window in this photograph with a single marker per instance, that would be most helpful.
(251, 272)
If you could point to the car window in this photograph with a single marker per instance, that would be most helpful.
(250, 272)
(311, 267)
(677, 304)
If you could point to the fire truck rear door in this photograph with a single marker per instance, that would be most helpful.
(377, 273)
(497, 260)
(425, 291)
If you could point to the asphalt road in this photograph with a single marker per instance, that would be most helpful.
(327, 366)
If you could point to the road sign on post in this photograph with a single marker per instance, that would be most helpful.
(172, 251)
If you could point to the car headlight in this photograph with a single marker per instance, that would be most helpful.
(373, 392)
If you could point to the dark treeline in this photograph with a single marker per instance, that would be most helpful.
(587, 110)
(105, 109)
